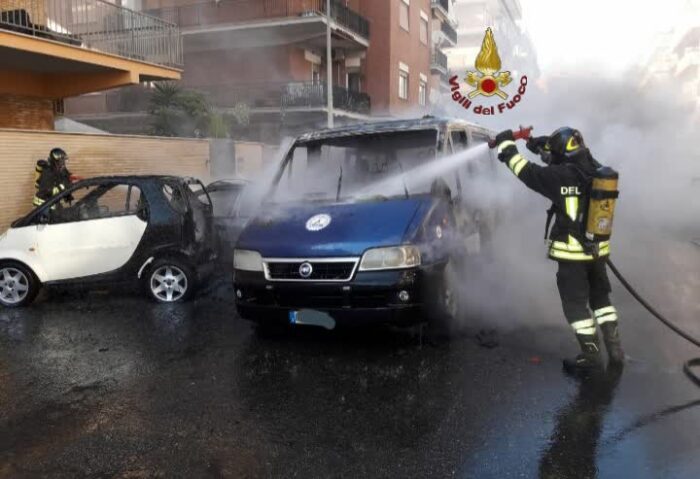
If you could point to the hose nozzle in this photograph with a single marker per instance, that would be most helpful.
(521, 134)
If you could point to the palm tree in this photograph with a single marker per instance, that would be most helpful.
(178, 112)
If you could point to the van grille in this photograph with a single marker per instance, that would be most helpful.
(321, 270)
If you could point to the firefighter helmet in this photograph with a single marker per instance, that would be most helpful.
(562, 145)
(58, 157)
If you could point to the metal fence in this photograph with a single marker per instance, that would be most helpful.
(98, 25)
(272, 96)
(438, 60)
(441, 3)
(449, 32)
(239, 11)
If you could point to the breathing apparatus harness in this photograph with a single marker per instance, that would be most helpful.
(601, 189)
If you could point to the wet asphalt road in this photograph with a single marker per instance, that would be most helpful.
(117, 386)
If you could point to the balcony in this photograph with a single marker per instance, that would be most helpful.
(441, 8)
(449, 32)
(438, 62)
(260, 97)
(56, 49)
(689, 60)
(251, 23)
(95, 25)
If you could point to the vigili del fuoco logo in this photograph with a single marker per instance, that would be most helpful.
(487, 81)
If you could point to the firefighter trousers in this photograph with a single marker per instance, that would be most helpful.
(584, 284)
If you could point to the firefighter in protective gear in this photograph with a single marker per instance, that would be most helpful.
(52, 176)
(582, 277)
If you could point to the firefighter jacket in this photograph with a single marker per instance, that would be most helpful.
(567, 185)
(50, 183)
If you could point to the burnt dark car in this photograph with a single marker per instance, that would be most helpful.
(366, 223)
(156, 231)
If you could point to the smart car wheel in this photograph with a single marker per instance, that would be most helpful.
(170, 281)
(18, 285)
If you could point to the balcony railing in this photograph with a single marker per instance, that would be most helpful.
(98, 25)
(444, 4)
(449, 32)
(273, 96)
(690, 57)
(240, 11)
(438, 61)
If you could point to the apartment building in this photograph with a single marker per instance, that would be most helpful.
(675, 59)
(271, 56)
(505, 19)
(54, 49)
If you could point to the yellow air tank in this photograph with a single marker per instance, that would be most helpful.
(601, 206)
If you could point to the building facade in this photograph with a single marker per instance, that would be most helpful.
(505, 19)
(271, 56)
(55, 49)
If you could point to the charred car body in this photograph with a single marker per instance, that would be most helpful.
(358, 227)
(155, 231)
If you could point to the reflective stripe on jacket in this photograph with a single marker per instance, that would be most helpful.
(566, 188)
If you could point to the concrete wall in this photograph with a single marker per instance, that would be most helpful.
(26, 112)
(91, 155)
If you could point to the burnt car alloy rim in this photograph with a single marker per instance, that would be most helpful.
(168, 283)
(14, 285)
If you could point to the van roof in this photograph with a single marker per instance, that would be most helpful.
(368, 128)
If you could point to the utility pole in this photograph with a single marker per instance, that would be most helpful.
(329, 66)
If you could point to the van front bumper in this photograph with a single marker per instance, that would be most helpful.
(393, 297)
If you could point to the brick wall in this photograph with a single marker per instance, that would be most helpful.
(91, 155)
(26, 113)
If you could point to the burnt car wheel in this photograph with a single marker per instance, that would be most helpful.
(18, 285)
(170, 280)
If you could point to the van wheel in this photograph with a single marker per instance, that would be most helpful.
(170, 280)
(18, 285)
(443, 297)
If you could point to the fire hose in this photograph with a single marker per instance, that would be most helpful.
(688, 365)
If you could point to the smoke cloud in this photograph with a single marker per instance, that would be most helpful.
(647, 135)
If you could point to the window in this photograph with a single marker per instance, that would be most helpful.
(422, 92)
(353, 82)
(403, 81)
(353, 164)
(423, 28)
(315, 73)
(459, 140)
(403, 14)
(105, 200)
(175, 198)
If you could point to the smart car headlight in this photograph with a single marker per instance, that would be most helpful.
(247, 260)
(393, 257)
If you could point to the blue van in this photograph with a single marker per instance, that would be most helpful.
(364, 224)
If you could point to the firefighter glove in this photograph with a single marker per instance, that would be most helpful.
(536, 143)
(505, 135)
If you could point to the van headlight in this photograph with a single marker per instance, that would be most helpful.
(393, 257)
(247, 260)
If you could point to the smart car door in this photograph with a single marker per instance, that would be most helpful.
(98, 233)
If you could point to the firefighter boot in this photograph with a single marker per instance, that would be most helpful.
(611, 337)
(589, 359)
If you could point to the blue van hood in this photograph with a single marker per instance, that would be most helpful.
(353, 228)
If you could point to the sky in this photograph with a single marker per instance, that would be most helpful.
(611, 35)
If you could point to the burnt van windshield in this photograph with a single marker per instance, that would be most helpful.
(344, 167)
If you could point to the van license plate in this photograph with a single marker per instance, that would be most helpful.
(311, 317)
